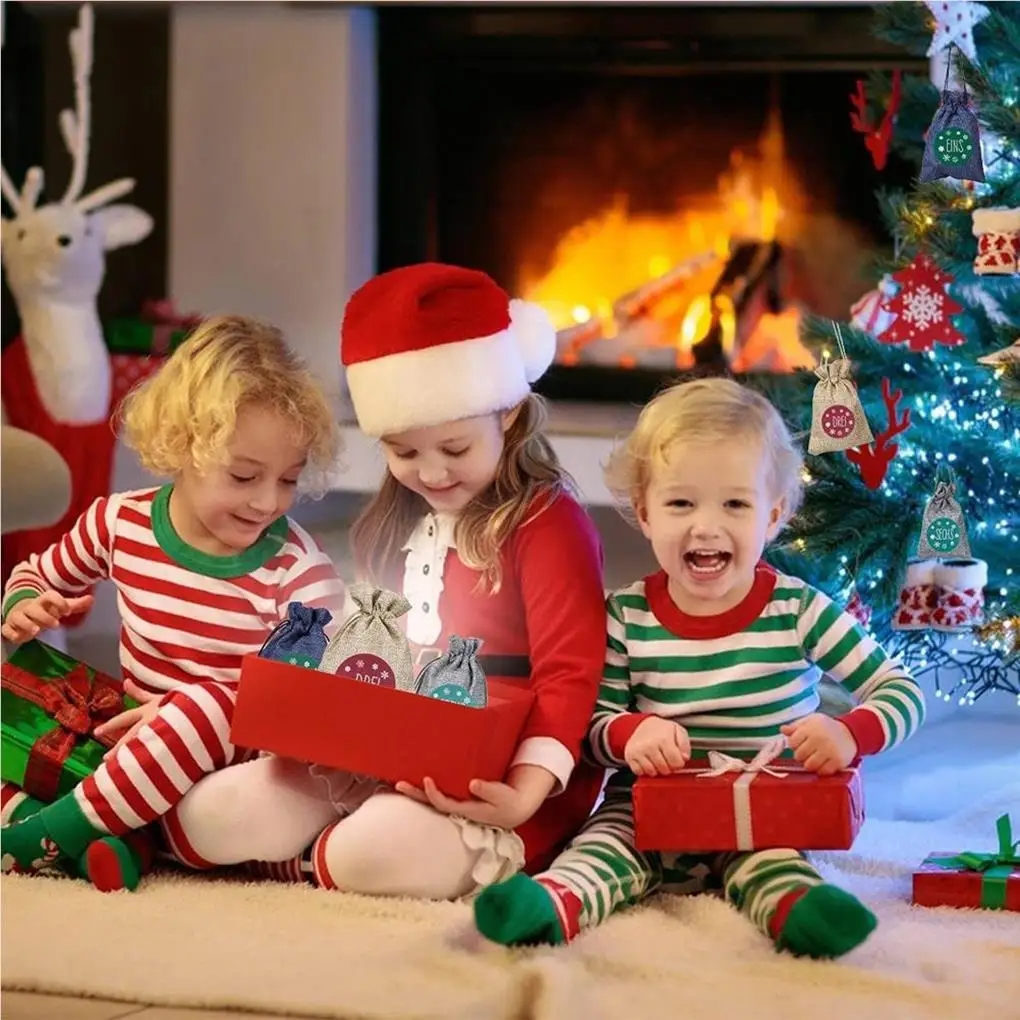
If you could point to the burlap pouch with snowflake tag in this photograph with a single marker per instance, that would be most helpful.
(837, 418)
(370, 646)
(943, 528)
(456, 676)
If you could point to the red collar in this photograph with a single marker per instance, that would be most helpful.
(684, 625)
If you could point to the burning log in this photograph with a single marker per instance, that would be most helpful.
(642, 300)
(748, 288)
(570, 340)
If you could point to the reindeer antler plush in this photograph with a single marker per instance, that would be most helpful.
(56, 377)
(54, 258)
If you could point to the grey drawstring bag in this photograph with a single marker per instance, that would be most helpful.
(953, 144)
(370, 646)
(456, 676)
(300, 639)
(943, 528)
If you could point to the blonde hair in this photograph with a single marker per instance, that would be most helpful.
(528, 468)
(699, 411)
(187, 412)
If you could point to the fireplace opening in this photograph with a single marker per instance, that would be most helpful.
(678, 189)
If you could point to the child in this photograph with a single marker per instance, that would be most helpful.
(475, 525)
(713, 652)
(204, 568)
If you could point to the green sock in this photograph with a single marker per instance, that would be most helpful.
(112, 863)
(47, 840)
(25, 808)
(519, 911)
(825, 922)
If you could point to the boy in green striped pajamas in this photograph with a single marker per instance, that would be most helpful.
(716, 651)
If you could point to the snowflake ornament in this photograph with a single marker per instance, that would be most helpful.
(954, 26)
(923, 308)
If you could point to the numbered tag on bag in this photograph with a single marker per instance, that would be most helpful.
(952, 147)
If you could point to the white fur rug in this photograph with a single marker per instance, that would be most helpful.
(188, 941)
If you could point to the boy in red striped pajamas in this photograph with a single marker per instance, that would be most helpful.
(204, 568)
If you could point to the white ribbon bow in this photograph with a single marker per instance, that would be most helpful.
(749, 771)
(723, 763)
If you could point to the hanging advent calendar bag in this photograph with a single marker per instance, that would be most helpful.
(943, 529)
(952, 147)
(371, 646)
(837, 418)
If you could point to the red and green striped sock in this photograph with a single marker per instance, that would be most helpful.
(525, 911)
(821, 921)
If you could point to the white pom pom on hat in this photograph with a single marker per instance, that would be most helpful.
(432, 343)
(536, 336)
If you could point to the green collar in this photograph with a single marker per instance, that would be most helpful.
(187, 556)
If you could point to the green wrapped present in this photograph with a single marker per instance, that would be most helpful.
(159, 330)
(49, 706)
(136, 336)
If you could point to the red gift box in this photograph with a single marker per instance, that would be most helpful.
(968, 879)
(730, 804)
(377, 731)
(129, 370)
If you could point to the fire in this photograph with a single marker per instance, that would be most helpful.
(616, 253)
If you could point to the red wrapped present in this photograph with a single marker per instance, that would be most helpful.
(377, 731)
(730, 803)
(129, 370)
(51, 704)
(969, 879)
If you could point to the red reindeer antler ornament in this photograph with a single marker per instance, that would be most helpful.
(877, 139)
(873, 459)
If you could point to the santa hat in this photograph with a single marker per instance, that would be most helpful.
(431, 343)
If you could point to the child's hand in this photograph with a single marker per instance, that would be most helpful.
(124, 726)
(657, 748)
(504, 805)
(44, 612)
(820, 743)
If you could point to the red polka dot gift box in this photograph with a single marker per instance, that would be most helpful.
(726, 802)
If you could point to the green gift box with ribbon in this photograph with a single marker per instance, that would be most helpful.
(49, 706)
(136, 336)
(972, 879)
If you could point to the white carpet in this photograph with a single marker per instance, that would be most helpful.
(196, 942)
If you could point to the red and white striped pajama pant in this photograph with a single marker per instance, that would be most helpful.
(150, 773)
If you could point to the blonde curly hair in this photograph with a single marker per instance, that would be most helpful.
(705, 410)
(187, 412)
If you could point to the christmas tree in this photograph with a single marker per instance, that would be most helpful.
(863, 512)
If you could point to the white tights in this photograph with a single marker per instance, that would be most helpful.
(271, 809)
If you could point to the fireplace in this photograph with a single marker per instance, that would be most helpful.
(677, 186)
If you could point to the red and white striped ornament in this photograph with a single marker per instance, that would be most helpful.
(868, 314)
(858, 609)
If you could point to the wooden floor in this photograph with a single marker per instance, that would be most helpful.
(24, 1006)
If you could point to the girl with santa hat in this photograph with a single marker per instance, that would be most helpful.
(476, 524)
